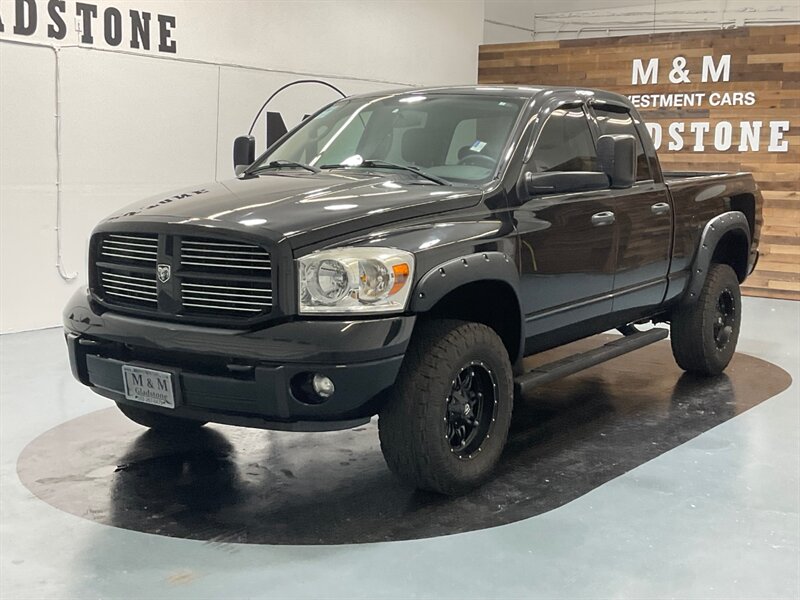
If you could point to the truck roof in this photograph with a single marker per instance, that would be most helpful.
(519, 91)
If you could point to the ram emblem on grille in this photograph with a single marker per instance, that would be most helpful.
(164, 272)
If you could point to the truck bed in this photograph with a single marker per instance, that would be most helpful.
(699, 196)
(670, 176)
(706, 185)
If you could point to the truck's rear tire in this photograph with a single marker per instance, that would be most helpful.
(157, 421)
(445, 423)
(704, 334)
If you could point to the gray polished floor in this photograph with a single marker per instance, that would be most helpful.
(715, 517)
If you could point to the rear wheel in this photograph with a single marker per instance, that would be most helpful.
(157, 421)
(446, 422)
(704, 334)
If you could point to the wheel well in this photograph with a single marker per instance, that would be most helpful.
(746, 203)
(732, 250)
(492, 303)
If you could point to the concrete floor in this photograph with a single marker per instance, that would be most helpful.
(715, 517)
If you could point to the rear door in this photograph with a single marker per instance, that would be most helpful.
(567, 258)
(643, 220)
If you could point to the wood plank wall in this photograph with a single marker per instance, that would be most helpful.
(764, 60)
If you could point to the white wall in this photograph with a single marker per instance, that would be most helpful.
(529, 20)
(136, 123)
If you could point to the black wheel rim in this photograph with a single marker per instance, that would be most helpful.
(724, 319)
(470, 409)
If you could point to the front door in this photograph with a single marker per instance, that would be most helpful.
(567, 248)
(643, 221)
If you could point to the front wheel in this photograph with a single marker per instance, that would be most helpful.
(446, 421)
(704, 334)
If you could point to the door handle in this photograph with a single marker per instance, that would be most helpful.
(661, 208)
(603, 218)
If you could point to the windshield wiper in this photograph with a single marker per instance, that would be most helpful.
(277, 164)
(382, 164)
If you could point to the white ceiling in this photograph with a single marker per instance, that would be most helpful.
(526, 20)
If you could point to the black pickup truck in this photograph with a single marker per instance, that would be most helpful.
(398, 254)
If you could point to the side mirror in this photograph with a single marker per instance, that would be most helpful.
(617, 157)
(564, 182)
(244, 152)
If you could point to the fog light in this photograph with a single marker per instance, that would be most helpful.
(322, 386)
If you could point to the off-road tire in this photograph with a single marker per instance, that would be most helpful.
(413, 425)
(157, 421)
(695, 345)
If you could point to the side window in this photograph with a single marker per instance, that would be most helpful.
(565, 143)
(620, 122)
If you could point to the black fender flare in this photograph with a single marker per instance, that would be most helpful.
(480, 266)
(483, 267)
(713, 232)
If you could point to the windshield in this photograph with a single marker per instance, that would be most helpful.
(450, 137)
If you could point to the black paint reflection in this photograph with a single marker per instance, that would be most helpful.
(179, 482)
(238, 485)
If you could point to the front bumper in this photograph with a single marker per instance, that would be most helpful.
(243, 377)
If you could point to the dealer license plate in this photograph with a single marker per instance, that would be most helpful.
(148, 386)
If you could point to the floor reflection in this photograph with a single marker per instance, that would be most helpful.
(239, 485)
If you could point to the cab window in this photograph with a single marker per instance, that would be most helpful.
(565, 143)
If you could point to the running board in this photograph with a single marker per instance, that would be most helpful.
(526, 382)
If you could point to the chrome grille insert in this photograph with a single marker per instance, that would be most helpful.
(221, 256)
(133, 289)
(199, 296)
(134, 247)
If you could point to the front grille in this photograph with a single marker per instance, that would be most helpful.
(209, 279)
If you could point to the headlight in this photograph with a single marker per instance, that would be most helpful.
(355, 280)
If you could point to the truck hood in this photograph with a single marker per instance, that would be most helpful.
(308, 208)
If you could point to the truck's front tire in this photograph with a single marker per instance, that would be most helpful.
(157, 421)
(446, 421)
(704, 334)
